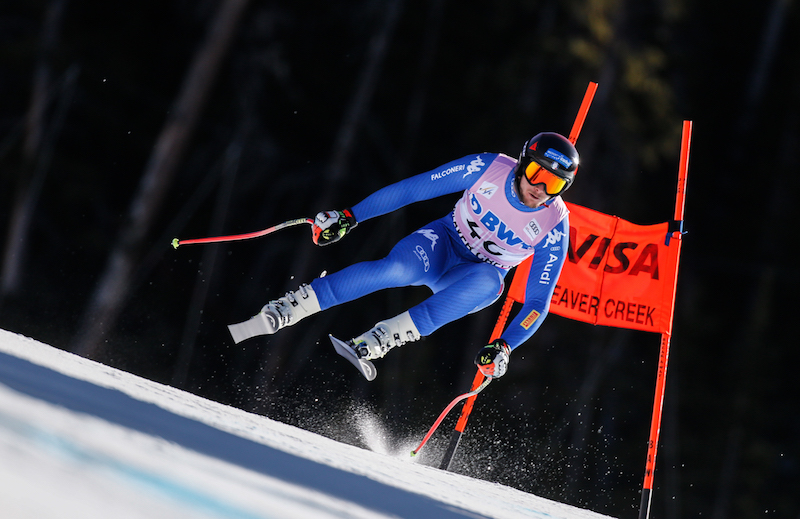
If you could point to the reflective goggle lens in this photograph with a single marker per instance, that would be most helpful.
(536, 174)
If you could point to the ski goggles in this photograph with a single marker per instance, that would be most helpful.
(536, 174)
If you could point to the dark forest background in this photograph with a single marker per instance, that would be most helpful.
(126, 123)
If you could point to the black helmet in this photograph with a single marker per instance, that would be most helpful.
(554, 153)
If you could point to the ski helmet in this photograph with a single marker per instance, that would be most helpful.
(550, 159)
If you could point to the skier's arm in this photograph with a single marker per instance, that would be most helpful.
(545, 270)
(453, 177)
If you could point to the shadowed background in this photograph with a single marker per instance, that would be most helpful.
(125, 124)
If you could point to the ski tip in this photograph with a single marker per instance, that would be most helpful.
(175, 243)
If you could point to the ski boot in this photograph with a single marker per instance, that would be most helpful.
(384, 336)
(278, 314)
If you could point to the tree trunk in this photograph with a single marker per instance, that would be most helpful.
(202, 286)
(764, 285)
(343, 148)
(114, 286)
(36, 149)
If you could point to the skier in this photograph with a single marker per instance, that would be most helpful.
(510, 210)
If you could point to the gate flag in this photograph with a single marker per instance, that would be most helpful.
(617, 273)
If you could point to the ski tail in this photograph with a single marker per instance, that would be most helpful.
(366, 367)
(256, 325)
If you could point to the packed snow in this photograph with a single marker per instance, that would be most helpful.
(84, 440)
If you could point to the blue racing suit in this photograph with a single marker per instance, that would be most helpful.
(456, 261)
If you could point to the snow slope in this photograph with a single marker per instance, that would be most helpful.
(80, 439)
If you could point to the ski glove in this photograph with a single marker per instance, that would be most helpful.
(492, 360)
(331, 226)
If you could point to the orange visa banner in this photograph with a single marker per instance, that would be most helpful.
(617, 273)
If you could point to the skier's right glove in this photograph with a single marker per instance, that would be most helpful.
(492, 360)
(331, 226)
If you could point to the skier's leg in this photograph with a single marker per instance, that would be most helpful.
(413, 261)
(469, 288)
(464, 289)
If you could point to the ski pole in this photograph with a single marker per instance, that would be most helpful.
(299, 221)
(447, 410)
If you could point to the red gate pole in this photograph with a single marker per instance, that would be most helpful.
(663, 358)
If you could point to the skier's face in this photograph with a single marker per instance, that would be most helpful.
(532, 195)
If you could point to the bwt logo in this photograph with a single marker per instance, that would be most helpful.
(646, 257)
(494, 225)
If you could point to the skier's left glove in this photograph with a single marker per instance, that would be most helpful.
(331, 226)
(493, 359)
